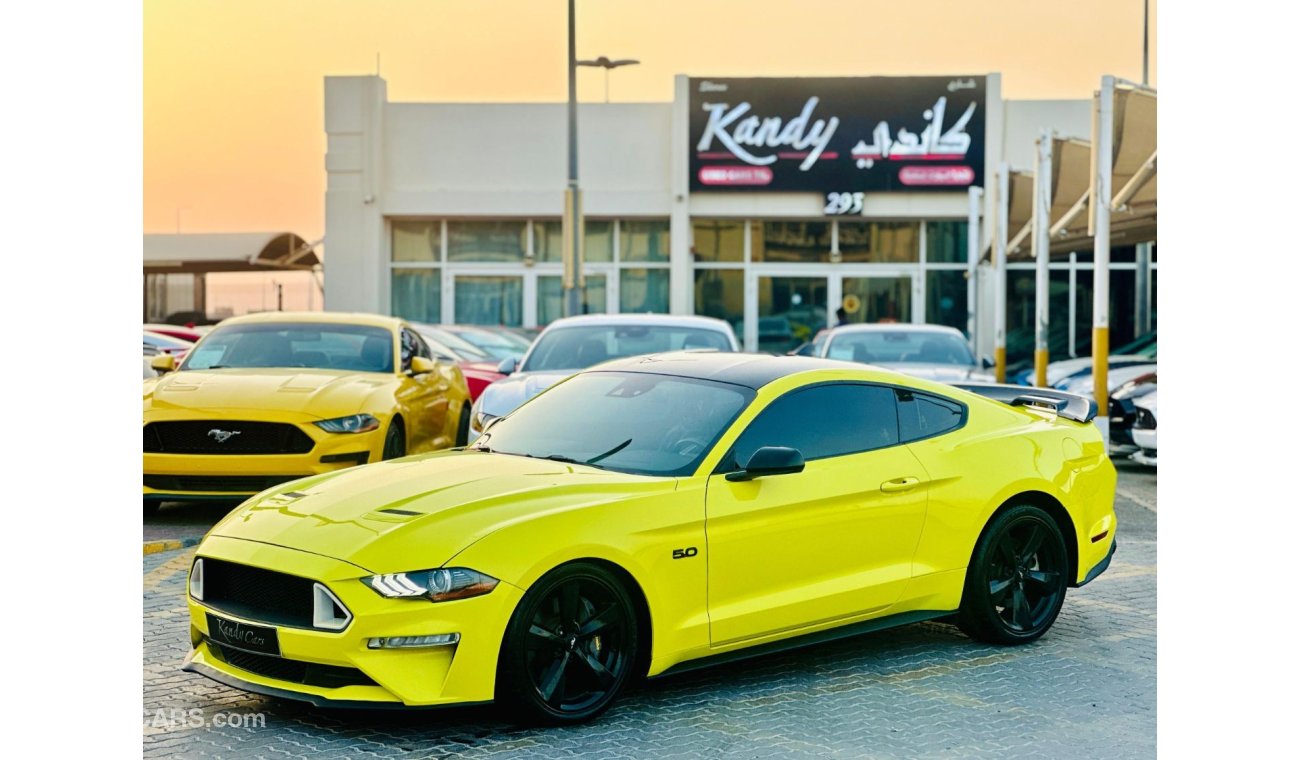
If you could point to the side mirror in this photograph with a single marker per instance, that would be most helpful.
(987, 362)
(421, 366)
(508, 366)
(769, 460)
(163, 363)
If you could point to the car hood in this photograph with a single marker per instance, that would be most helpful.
(504, 396)
(419, 512)
(320, 392)
(940, 373)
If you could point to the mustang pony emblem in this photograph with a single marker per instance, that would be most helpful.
(222, 436)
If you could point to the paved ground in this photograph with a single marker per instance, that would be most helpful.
(1087, 689)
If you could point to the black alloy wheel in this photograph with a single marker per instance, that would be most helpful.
(395, 440)
(1016, 581)
(570, 647)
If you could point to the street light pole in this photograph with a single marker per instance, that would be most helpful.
(572, 222)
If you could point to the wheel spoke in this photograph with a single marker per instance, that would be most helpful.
(540, 638)
(553, 680)
(1032, 543)
(603, 676)
(998, 589)
(1046, 580)
(1007, 552)
(1019, 609)
(599, 622)
(569, 604)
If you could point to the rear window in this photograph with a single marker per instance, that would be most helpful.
(923, 416)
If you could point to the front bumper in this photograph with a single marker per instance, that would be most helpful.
(463, 673)
(191, 476)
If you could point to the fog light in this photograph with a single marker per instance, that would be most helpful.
(413, 642)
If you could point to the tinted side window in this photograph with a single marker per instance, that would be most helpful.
(824, 421)
(922, 416)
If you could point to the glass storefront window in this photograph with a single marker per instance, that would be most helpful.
(643, 290)
(1020, 316)
(486, 241)
(721, 293)
(643, 240)
(417, 294)
(598, 246)
(550, 297)
(489, 300)
(718, 240)
(792, 241)
(877, 299)
(945, 298)
(880, 242)
(945, 242)
(790, 311)
(417, 241)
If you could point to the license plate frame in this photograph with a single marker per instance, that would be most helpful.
(259, 639)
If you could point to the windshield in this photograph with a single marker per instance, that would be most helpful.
(447, 342)
(901, 347)
(496, 344)
(581, 347)
(356, 348)
(625, 421)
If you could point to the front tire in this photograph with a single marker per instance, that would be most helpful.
(570, 647)
(1016, 581)
(395, 440)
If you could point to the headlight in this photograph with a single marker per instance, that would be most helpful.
(440, 585)
(356, 423)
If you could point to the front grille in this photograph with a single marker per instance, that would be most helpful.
(295, 671)
(201, 437)
(252, 593)
(1145, 419)
(221, 483)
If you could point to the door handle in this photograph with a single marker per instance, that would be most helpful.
(898, 485)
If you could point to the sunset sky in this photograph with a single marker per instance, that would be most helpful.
(233, 89)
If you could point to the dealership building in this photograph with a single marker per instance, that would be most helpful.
(768, 203)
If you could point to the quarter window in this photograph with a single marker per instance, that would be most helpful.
(824, 421)
(923, 416)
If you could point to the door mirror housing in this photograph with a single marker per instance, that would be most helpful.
(769, 460)
(421, 366)
(987, 362)
(163, 363)
(508, 366)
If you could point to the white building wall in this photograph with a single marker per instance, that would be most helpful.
(355, 260)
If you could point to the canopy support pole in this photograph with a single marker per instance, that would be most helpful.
(975, 196)
(1103, 145)
(1042, 220)
(1000, 273)
(1142, 317)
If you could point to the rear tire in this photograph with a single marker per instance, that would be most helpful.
(395, 440)
(570, 647)
(151, 507)
(462, 429)
(1016, 581)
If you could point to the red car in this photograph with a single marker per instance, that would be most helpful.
(175, 331)
(479, 369)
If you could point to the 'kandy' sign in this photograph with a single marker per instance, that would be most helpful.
(837, 134)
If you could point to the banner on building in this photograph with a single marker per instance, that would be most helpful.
(837, 135)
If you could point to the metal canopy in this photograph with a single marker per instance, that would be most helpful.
(233, 252)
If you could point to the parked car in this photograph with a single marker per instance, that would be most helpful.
(166, 344)
(576, 343)
(1123, 411)
(649, 514)
(934, 352)
(149, 371)
(268, 398)
(498, 342)
(1141, 350)
(479, 369)
(183, 333)
(1083, 385)
(1144, 430)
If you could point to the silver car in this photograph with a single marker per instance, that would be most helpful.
(573, 344)
(932, 352)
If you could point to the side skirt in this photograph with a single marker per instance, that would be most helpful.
(808, 639)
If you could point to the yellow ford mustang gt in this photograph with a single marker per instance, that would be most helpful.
(268, 398)
(655, 514)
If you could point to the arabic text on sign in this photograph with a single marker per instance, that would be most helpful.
(936, 175)
(735, 175)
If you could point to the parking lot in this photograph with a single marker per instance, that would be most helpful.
(1087, 689)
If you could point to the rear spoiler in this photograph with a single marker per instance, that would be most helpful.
(1071, 406)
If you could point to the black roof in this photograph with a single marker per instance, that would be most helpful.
(750, 370)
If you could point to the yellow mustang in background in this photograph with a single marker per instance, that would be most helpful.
(650, 515)
(268, 398)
